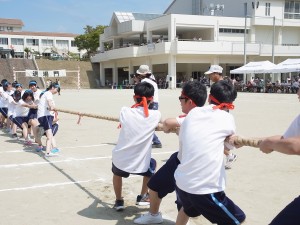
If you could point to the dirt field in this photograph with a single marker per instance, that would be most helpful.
(76, 187)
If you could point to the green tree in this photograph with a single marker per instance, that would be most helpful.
(27, 50)
(89, 41)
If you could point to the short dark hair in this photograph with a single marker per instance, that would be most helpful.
(196, 91)
(26, 94)
(17, 95)
(223, 91)
(143, 89)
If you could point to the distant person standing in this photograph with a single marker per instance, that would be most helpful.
(215, 75)
(144, 74)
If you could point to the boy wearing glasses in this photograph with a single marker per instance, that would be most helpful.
(132, 154)
(200, 176)
(193, 95)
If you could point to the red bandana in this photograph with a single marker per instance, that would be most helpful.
(224, 105)
(143, 103)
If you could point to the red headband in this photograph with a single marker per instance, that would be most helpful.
(223, 105)
(182, 93)
(143, 103)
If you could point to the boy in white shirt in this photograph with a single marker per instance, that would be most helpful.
(132, 154)
(200, 176)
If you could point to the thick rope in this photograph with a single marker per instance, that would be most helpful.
(239, 141)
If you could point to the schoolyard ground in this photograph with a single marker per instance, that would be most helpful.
(76, 187)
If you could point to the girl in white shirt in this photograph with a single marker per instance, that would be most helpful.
(45, 118)
(21, 113)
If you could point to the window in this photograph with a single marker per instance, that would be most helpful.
(292, 10)
(46, 42)
(73, 44)
(1, 28)
(9, 28)
(62, 43)
(32, 42)
(235, 31)
(17, 41)
(3, 41)
(268, 9)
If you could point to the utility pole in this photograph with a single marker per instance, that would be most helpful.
(273, 40)
(245, 34)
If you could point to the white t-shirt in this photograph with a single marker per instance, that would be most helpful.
(133, 150)
(4, 99)
(201, 147)
(21, 111)
(36, 96)
(155, 97)
(11, 106)
(1, 92)
(43, 104)
(294, 128)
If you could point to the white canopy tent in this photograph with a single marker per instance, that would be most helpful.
(287, 66)
(254, 67)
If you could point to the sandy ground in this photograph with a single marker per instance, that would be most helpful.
(76, 187)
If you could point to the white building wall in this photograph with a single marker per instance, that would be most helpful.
(290, 36)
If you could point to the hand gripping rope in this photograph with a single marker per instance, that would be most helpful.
(238, 141)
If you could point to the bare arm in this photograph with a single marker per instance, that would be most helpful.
(33, 106)
(170, 124)
(289, 146)
(50, 104)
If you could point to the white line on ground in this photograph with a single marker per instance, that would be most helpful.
(70, 147)
(63, 161)
(49, 185)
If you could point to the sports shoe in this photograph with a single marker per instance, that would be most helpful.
(50, 154)
(156, 145)
(119, 205)
(229, 160)
(143, 200)
(149, 218)
(39, 148)
(55, 150)
(14, 136)
(28, 142)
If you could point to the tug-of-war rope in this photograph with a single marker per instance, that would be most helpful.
(239, 141)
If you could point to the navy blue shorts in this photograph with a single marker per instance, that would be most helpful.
(4, 111)
(163, 181)
(19, 120)
(54, 128)
(32, 114)
(216, 207)
(148, 173)
(46, 122)
(290, 215)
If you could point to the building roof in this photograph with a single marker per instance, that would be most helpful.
(49, 34)
(127, 16)
(11, 22)
(169, 6)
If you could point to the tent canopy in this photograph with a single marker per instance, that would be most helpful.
(287, 66)
(254, 67)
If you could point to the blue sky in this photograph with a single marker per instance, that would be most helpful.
(72, 16)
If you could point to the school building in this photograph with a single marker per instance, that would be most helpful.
(190, 35)
(12, 37)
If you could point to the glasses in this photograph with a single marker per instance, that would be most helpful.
(182, 97)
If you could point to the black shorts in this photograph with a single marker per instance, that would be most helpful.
(32, 114)
(46, 122)
(163, 181)
(4, 111)
(216, 207)
(148, 173)
(290, 215)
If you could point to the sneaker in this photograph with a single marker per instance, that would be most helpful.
(28, 142)
(119, 205)
(14, 136)
(39, 148)
(229, 160)
(143, 200)
(55, 150)
(156, 145)
(149, 218)
(50, 154)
